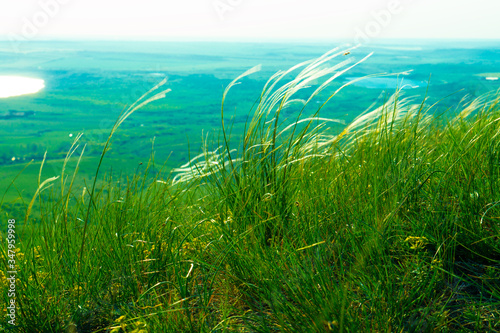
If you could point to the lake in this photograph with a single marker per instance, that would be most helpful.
(11, 86)
(387, 83)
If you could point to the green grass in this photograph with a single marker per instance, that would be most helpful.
(391, 224)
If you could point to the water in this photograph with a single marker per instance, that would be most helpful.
(11, 86)
(387, 83)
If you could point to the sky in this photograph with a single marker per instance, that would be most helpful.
(249, 20)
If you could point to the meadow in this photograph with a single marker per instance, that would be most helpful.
(303, 204)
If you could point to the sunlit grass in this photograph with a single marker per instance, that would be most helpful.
(391, 224)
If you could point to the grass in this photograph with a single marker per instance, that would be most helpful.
(391, 224)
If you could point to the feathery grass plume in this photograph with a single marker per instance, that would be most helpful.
(468, 107)
(393, 114)
(265, 133)
(150, 96)
(72, 150)
(41, 187)
(281, 143)
(213, 162)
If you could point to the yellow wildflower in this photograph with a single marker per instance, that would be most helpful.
(416, 243)
(19, 255)
(3, 280)
(116, 290)
(38, 251)
(436, 263)
(122, 326)
(140, 327)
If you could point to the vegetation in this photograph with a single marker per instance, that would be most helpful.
(390, 224)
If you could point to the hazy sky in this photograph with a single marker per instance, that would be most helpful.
(249, 19)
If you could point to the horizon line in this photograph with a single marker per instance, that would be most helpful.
(4, 38)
